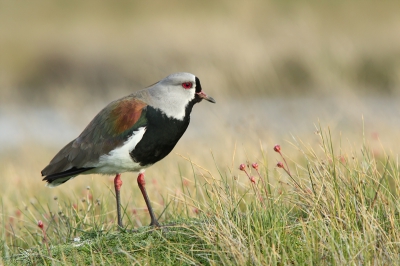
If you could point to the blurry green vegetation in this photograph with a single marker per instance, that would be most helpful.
(263, 47)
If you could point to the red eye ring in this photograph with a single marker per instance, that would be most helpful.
(187, 85)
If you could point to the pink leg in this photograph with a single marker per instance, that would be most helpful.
(142, 183)
(117, 186)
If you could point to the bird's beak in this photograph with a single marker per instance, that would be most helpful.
(204, 96)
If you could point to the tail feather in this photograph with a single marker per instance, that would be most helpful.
(61, 169)
(58, 181)
(62, 177)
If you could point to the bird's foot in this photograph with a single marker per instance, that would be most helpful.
(154, 223)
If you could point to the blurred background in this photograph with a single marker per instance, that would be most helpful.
(275, 68)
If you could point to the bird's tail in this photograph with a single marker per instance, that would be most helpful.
(57, 179)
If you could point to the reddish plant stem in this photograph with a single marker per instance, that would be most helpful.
(287, 166)
(277, 148)
(41, 226)
(263, 182)
(256, 192)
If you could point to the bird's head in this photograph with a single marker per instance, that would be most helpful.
(176, 94)
(184, 86)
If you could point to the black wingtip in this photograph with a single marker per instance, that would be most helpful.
(62, 175)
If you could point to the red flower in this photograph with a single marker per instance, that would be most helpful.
(277, 148)
(40, 224)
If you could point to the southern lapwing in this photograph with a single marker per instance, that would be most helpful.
(130, 134)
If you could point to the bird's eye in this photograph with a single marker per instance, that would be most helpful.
(187, 85)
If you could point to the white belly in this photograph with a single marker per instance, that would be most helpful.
(119, 159)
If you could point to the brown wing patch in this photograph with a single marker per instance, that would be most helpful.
(126, 113)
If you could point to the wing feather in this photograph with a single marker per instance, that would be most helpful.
(108, 130)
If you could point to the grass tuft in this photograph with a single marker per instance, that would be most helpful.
(329, 207)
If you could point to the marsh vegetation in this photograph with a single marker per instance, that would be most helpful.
(320, 79)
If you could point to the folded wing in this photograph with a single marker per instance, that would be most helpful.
(108, 130)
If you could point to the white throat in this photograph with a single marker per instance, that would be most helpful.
(174, 104)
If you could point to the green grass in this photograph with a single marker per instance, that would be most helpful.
(335, 207)
(339, 206)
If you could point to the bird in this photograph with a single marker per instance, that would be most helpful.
(130, 134)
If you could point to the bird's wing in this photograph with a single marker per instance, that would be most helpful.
(108, 130)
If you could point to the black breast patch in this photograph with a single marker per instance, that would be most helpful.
(160, 138)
